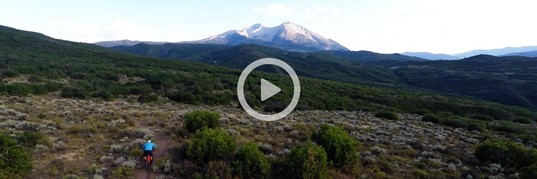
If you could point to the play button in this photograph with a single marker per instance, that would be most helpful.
(268, 89)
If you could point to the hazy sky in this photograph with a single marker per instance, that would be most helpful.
(388, 26)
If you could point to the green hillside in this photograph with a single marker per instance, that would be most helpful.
(316, 65)
(506, 80)
(88, 71)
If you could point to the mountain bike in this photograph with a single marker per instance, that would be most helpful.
(148, 160)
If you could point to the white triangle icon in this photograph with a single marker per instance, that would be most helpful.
(268, 89)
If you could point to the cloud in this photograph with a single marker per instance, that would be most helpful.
(87, 32)
(308, 11)
(274, 10)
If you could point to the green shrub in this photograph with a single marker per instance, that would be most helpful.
(455, 122)
(14, 160)
(338, 145)
(250, 162)
(201, 119)
(431, 118)
(481, 117)
(30, 138)
(38, 89)
(122, 172)
(105, 95)
(509, 127)
(476, 125)
(72, 92)
(51, 87)
(529, 172)
(18, 89)
(217, 169)
(10, 74)
(148, 98)
(309, 161)
(507, 153)
(421, 112)
(387, 115)
(209, 145)
(35, 79)
(523, 120)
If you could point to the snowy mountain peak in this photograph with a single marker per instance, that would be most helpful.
(248, 30)
(289, 22)
(295, 32)
(287, 36)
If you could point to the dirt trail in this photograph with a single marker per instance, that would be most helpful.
(163, 145)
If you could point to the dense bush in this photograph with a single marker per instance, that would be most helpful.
(104, 94)
(209, 145)
(10, 74)
(431, 118)
(462, 122)
(148, 98)
(30, 138)
(17, 89)
(309, 161)
(529, 172)
(340, 148)
(509, 127)
(122, 172)
(216, 169)
(482, 117)
(73, 92)
(523, 120)
(250, 162)
(476, 125)
(507, 153)
(387, 115)
(455, 122)
(14, 160)
(199, 119)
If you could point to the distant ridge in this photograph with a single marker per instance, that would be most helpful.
(125, 42)
(497, 52)
(524, 54)
(286, 36)
(431, 56)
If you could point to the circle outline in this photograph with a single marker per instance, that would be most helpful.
(242, 80)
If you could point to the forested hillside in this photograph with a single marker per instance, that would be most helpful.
(508, 80)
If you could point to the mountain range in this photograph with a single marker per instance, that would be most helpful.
(124, 43)
(525, 51)
(293, 37)
(524, 54)
(431, 56)
(288, 36)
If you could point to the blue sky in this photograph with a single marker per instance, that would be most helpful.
(386, 26)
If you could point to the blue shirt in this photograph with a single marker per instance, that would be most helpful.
(149, 146)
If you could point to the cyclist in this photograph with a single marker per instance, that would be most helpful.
(148, 148)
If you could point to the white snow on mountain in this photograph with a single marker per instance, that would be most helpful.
(288, 35)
